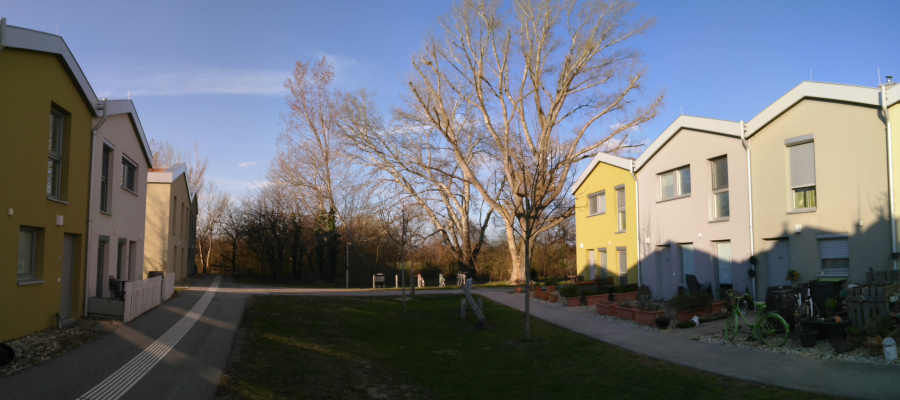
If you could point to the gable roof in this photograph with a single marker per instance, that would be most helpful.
(26, 39)
(120, 107)
(708, 125)
(170, 175)
(609, 159)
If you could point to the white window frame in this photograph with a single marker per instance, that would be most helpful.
(794, 189)
(31, 271)
(600, 199)
(679, 191)
(126, 164)
(621, 215)
(55, 158)
(719, 191)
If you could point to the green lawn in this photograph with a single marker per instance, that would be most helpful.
(348, 348)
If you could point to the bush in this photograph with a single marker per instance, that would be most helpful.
(549, 282)
(686, 324)
(568, 291)
(692, 302)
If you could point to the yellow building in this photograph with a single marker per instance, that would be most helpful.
(44, 98)
(170, 229)
(606, 220)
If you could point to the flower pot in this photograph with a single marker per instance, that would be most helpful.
(835, 328)
(874, 344)
(646, 317)
(549, 288)
(536, 294)
(518, 290)
(623, 297)
(573, 301)
(607, 309)
(536, 288)
(843, 346)
(553, 298)
(597, 299)
(684, 315)
(545, 296)
(625, 312)
(808, 337)
(717, 306)
(662, 323)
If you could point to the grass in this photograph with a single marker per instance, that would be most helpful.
(349, 348)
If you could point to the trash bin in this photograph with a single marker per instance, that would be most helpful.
(824, 289)
(890, 349)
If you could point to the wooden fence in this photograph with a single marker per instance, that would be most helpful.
(168, 287)
(864, 303)
(141, 296)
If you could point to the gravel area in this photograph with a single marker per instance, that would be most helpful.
(44, 345)
(822, 351)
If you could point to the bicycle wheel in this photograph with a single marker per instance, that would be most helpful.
(772, 330)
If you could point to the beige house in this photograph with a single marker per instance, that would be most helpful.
(820, 183)
(119, 198)
(171, 221)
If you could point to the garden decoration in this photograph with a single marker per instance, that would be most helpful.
(792, 276)
(770, 328)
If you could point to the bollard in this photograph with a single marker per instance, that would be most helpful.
(373, 281)
(462, 308)
(890, 349)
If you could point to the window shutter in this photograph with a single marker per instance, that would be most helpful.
(829, 249)
(803, 165)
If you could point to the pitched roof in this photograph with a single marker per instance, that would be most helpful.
(170, 175)
(609, 159)
(120, 107)
(709, 125)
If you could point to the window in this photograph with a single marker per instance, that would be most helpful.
(803, 174)
(104, 179)
(174, 215)
(623, 266)
(27, 253)
(128, 174)
(835, 255)
(54, 164)
(620, 204)
(687, 260)
(721, 207)
(597, 203)
(604, 267)
(675, 183)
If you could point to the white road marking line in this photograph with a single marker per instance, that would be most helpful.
(131, 373)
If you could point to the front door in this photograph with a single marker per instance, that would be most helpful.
(778, 262)
(664, 266)
(65, 303)
(593, 264)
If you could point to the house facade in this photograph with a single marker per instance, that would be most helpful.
(119, 198)
(170, 223)
(46, 99)
(606, 221)
(694, 209)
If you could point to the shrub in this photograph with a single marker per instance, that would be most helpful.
(548, 282)
(692, 302)
(686, 324)
(568, 291)
(831, 303)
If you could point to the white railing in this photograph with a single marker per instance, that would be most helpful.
(141, 296)
(168, 287)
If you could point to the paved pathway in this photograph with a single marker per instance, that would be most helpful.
(829, 377)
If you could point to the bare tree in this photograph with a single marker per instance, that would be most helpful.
(212, 206)
(540, 75)
(233, 230)
(404, 225)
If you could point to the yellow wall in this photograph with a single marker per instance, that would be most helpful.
(165, 234)
(32, 83)
(599, 231)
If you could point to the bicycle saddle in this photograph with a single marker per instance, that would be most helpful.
(759, 303)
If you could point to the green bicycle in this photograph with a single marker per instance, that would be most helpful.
(770, 327)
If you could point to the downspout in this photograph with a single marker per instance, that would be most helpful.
(637, 214)
(2, 34)
(87, 248)
(746, 144)
(890, 146)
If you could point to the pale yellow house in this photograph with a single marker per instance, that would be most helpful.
(606, 223)
(171, 222)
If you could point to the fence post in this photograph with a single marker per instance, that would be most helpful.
(373, 281)
(396, 282)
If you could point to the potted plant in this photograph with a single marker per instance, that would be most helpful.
(607, 309)
(545, 296)
(570, 292)
(518, 289)
(593, 298)
(876, 328)
(553, 297)
(807, 334)
(687, 306)
(792, 276)
(647, 311)
(686, 324)
(625, 310)
(662, 321)
(833, 306)
(625, 293)
(550, 285)
(835, 328)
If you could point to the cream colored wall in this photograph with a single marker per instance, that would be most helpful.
(895, 140)
(127, 211)
(167, 235)
(599, 231)
(851, 187)
(689, 219)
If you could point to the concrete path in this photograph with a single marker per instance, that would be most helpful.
(835, 378)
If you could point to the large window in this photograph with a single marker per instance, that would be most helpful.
(721, 207)
(104, 179)
(620, 205)
(835, 256)
(128, 174)
(54, 164)
(623, 265)
(597, 203)
(604, 267)
(803, 175)
(27, 253)
(675, 183)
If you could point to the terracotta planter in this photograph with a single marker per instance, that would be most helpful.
(586, 286)
(553, 298)
(545, 296)
(573, 301)
(623, 297)
(717, 306)
(625, 312)
(536, 294)
(597, 299)
(518, 290)
(607, 309)
(536, 288)
(647, 317)
(549, 288)
(688, 314)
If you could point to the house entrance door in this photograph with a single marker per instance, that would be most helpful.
(778, 262)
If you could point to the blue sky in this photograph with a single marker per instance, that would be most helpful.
(211, 72)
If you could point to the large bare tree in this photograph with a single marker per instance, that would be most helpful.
(212, 205)
(552, 83)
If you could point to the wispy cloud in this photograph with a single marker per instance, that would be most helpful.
(246, 164)
(190, 81)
